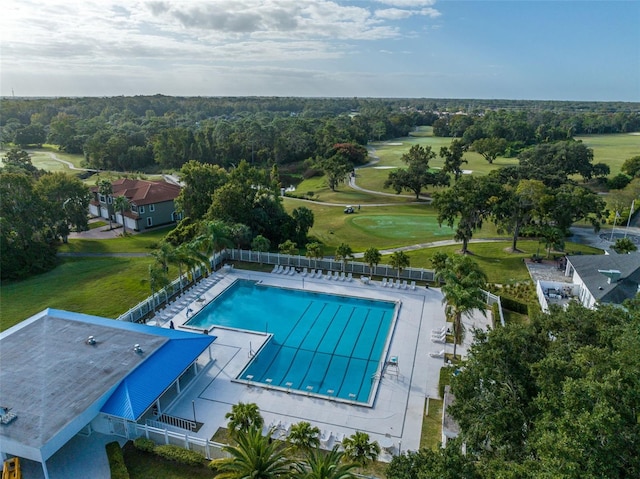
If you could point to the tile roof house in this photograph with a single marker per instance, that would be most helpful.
(611, 278)
(152, 203)
(67, 374)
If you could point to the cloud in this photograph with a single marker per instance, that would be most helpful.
(400, 14)
(408, 3)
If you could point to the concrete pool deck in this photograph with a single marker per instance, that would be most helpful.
(394, 420)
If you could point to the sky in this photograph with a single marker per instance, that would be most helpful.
(532, 50)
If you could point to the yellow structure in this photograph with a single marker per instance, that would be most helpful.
(11, 469)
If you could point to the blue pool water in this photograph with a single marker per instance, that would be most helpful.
(322, 343)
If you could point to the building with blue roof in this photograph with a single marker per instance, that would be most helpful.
(63, 373)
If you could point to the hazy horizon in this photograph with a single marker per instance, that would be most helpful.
(475, 50)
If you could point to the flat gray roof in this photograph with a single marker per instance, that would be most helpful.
(49, 375)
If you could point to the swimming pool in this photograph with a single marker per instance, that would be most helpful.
(321, 344)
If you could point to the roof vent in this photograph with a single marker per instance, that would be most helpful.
(6, 416)
(613, 275)
(137, 348)
(91, 340)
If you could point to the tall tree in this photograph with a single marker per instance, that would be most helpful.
(489, 148)
(453, 158)
(360, 449)
(303, 436)
(399, 260)
(468, 202)
(260, 244)
(343, 253)
(200, 183)
(303, 221)
(336, 168)
(462, 289)
(417, 175)
(372, 257)
(325, 465)
(243, 417)
(255, 457)
(215, 237)
(315, 251)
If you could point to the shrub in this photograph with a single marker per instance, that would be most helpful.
(144, 444)
(514, 305)
(180, 455)
(116, 461)
(495, 314)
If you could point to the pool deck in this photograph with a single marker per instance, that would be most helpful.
(394, 420)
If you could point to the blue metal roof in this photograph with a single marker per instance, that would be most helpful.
(138, 391)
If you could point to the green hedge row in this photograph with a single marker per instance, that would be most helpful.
(170, 452)
(514, 305)
(116, 461)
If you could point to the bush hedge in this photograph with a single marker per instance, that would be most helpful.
(514, 305)
(180, 455)
(116, 461)
(144, 444)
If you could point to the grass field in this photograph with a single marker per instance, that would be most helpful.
(102, 286)
(139, 243)
(612, 150)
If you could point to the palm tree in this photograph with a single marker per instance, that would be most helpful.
(240, 233)
(243, 417)
(314, 251)
(321, 465)
(121, 204)
(288, 248)
(399, 260)
(157, 280)
(360, 449)
(215, 238)
(304, 436)
(462, 289)
(372, 257)
(343, 253)
(255, 457)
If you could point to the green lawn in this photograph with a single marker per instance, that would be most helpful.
(102, 286)
(612, 149)
(138, 243)
(499, 265)
(431, 436)
(144, 465)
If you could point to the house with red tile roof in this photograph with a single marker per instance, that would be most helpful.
(151, 202)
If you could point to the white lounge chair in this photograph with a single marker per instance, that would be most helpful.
(404, 284)
(349, 277)
(275, 269)
(412, 285)
(342, 276)
(319, 273)
(304, 272)
(329, 275)
(384, 282)
(439, 331)
(340, 437)
(439, 339)
(285, 270)
(325, 437)
(280, 269)
(336, 275)
(292, 271)
(439, 354)
(398, 285)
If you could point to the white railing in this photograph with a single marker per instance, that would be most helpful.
(209, 449)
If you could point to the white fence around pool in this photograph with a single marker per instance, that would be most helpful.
(143, 309)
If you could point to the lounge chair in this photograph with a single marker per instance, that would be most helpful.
(342, 276)
(340, 437)
(439, 331)
(329, 275)
(287, 270)
(398, 285)
(384, 282)
(325, 437)
(404, 284)
(304, 272)
(275, 269)
(280, 269)
(412, 285)
(292, 271)
(439, 354)
(439, 339)
(336, 275)
(319, 274)
(349, 277)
